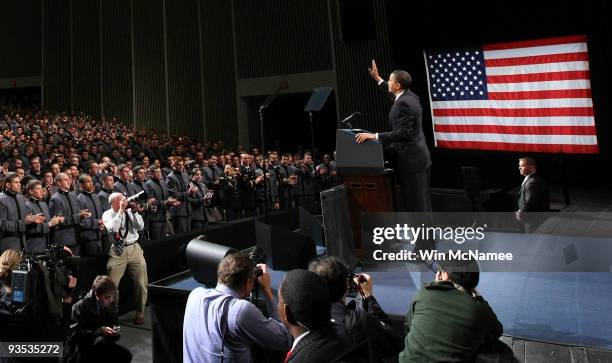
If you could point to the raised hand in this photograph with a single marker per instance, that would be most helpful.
(374, 72)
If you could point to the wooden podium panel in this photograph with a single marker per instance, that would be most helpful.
(368, 194)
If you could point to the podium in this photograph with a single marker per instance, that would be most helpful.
(370, 186)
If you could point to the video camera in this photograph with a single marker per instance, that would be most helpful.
(42, 280)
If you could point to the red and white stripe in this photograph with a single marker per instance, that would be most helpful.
(539, 100)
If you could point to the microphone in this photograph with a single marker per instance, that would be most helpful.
(355, 114)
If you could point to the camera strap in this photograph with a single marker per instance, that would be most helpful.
(224, 322)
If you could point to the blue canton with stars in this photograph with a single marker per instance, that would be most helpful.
(456, 75)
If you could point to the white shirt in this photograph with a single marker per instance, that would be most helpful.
(298, 339)
(527, 177)
(115, 222)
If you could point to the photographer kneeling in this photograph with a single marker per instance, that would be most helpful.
(356, 323)
(220, 326)
(96, 331)
(448, 320)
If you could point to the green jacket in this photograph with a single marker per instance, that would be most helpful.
(447, 325)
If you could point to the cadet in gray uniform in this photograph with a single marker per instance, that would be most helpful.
(65, 203)
(37, 234)
(13, 215)
(158, 189)
(90, 236)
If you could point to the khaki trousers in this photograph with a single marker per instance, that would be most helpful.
(133, 262)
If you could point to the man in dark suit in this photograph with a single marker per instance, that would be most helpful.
(533, 195)
(405, 140)
(304, 308)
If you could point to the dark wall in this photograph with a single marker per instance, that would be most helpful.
(357, 91)
(414, 27)
(20, 36)
(117, 84)
(184, 78)
(220, 105)
(57, 79)
(86, 81)
(289, 37)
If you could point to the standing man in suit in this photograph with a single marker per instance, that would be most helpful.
(406, 139)
(533, 195)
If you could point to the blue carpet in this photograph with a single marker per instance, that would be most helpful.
(557, 307)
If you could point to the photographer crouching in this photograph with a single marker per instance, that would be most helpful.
(220, 326)
(357, 324)
(96, 331)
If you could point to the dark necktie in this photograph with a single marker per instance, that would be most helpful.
(120, 238)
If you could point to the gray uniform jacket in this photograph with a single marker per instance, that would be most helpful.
(103, 195)
(197, 203)
(37, 234)
(12, 221)
(159, 191)
(90, 227)
(66, 204)
(178, 185)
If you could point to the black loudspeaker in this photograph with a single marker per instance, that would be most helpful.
(203, 258)
(310, 227)
(337, 224)
(286, 250)
(357, 23)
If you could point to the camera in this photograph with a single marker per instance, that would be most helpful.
(40, 281)
(257, 256)
(354, 287)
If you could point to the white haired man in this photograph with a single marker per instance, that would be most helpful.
(126, 254)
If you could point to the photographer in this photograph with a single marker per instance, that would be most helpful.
(220, 326)
(9, 260)
(126, 253)
(357, 324)
(96, 331)
(450, 317)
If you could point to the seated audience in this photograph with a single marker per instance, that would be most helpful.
(357, 324)
(220, 325)
(304, 307)
(96, 331)
(448, 320)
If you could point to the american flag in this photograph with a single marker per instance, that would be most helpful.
(528, 96)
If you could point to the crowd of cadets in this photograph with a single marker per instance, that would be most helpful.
(58, 170)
